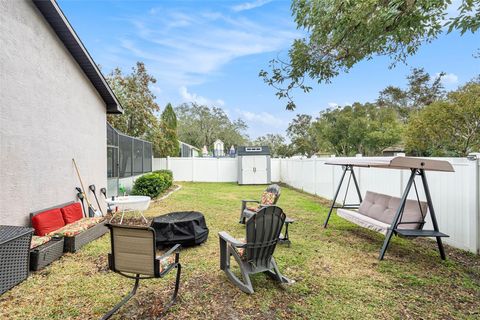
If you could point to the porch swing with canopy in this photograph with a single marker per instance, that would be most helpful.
(386, 214)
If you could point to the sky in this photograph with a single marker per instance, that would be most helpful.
(211, 52)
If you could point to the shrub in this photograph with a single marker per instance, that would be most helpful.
(165, 171)
(153, 184)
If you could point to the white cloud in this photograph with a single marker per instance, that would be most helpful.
(332, 104)
(263, 117)
(452, 9)
(155, 89)
(250, 5)
(449, 79)
(193, 97)
(202, 42)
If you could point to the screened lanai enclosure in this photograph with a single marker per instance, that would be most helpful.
(126, 157)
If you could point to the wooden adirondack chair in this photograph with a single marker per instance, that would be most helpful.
(269, 197)
(255, 254)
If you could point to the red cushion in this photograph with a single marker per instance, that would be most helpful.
(47, 221)
(72, 212)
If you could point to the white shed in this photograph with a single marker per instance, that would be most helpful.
(254, 165)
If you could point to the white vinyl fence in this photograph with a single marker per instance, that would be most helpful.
(455, 195)
(199, 169)
(207, 169)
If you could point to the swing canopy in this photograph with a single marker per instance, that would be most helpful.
(394, 163)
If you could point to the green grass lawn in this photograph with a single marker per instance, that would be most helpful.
(336, 271)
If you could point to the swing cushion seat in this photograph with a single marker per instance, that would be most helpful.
(363, 220)
(376, 212)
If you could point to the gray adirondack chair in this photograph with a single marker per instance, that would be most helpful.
(246, 213)
(256, 254)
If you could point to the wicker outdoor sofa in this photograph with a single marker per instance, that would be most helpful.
(61, 229)
(45, 250)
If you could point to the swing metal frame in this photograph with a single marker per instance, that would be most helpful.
(417, 167)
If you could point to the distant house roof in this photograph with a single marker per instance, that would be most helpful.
(395, 148)
(59, 23)
(188, 145)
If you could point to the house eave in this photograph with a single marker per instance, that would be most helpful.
(65, 32)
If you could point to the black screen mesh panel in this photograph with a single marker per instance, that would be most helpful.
(137, 156)
(127, 156)
(112, 136)
(147, 157)
(112, 168)
(109, 135)
(125, 145)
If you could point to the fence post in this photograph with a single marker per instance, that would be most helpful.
(167, 163)
(476, 157)
(193, 168)
(279, 169)
(333, 178)
(287, 170)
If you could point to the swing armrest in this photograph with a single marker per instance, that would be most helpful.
(411, 222)
(231, 240)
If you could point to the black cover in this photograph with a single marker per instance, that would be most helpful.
(186, 228)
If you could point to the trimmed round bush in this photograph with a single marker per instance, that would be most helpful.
(165, 171)
(152, 184)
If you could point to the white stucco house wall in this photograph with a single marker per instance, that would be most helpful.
(53, 107)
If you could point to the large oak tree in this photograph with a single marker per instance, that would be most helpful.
(201, 125)
(447, 128)
(341, 33)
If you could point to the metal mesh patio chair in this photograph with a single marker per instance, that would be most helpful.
(134, 256)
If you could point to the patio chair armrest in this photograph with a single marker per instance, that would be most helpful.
(228, 238)
(165, 264)
(175, 249)
(250, 200)
(244, 206)
(245, 201)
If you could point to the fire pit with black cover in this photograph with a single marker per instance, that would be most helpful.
(186, 228)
